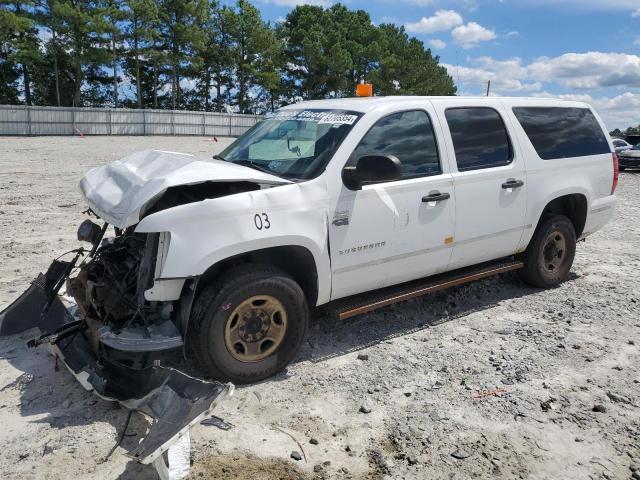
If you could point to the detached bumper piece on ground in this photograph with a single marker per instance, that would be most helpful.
(173, 400)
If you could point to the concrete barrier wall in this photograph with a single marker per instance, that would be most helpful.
(22, 120)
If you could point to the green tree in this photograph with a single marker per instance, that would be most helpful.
(317, 59)
(253, 55)
(142, 33)
(82, 32)
(406, 68)
(179, 25)
(18, 34)
(113, 15)
(49, 20)
(53, 79)
(214, 56)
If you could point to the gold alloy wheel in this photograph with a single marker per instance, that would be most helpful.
(553, 252)
(255, 328)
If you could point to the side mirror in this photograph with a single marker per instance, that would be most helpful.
(372, 169)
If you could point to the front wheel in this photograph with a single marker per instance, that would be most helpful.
(550, 253)
(249, 324)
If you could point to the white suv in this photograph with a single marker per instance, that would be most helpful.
(330, 199)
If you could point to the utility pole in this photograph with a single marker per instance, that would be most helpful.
(488, 87)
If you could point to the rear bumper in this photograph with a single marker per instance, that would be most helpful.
(600, 213)
(628, 162)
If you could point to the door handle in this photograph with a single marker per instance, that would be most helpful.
(513, 184)
(436, 197)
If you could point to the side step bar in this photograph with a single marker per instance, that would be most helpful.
(370, 301)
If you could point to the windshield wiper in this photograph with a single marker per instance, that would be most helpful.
(250, 164)
(218, 157)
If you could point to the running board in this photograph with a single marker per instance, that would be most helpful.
(370, 301)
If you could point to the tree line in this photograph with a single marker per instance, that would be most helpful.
(202, 55)
(625, 133)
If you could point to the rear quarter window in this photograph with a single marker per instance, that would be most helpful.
(561, 132)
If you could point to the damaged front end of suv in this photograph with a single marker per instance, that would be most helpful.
(119, 328)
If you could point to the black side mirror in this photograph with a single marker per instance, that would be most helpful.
(372, 169)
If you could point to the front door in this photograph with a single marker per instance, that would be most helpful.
(392, 232)
(490, 185)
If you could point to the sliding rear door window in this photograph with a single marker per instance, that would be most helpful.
(480, 139)
(560, 132)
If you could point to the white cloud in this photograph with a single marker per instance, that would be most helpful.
(512, 34)
(437, 44)
(636, 13)
(421, 3)
(588, 70)
(471, 34)
(593, 5)
(507, 77)
(442, 21)
(576, 71)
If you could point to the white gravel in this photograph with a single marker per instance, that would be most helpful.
(545, 357)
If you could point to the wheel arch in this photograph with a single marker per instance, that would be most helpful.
(295, 260)
(572, 205)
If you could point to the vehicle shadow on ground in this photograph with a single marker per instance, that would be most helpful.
(330, 337)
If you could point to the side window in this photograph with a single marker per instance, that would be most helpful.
(407, 135)
(562, 132)
(480, 139)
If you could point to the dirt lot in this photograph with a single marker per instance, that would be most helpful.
(492, 379)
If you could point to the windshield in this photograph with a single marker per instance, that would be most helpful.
(294, 144)
(636, 147)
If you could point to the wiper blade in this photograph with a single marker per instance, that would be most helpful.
(218, 157)
(250, 164)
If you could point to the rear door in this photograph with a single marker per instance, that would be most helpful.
(490, 182)
(392, 232)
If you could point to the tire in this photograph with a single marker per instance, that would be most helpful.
(550, 253)
(227, 335)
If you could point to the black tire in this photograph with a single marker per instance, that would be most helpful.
(215, 304)
(622, 169)
(550, 254)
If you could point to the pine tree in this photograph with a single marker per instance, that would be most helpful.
(179, 20)
(21, 43)
(215, 57)
(113, 15)
(82, 34)
(48, 18)
(141, 33)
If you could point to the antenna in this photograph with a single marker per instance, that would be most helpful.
(488, 87)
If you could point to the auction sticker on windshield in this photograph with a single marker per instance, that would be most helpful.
(320, 117)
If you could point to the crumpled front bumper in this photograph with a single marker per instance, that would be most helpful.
(172, 399)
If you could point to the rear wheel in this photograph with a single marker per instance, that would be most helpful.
(550, 253)
(249, 324)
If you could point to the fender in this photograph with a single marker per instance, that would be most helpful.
(207, 232)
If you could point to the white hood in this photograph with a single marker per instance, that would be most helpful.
(119, 191)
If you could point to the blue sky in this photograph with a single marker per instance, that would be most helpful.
(583, 49)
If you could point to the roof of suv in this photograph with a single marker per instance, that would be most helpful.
(365, 104)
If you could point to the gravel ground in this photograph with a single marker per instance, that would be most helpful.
(493, 379)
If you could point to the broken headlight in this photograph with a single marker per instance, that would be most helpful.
(89, 232)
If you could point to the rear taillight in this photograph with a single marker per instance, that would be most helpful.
(614, 184)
